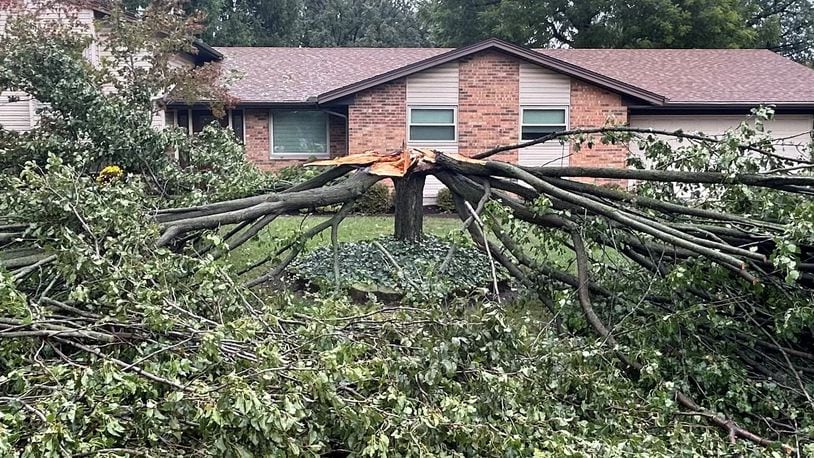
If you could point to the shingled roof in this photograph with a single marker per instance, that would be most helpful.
(660, 77)
(292, 75)
(749, 76)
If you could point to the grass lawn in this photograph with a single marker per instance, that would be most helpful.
(352, 229)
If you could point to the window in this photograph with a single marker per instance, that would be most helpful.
(182, 120)
(203, 118)
(299, 133)
(236, 123)
(537, 122)
(432, 124)
(198, 119)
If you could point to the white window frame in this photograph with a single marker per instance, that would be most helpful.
(283, 155)
(523, 109)
(454, 109)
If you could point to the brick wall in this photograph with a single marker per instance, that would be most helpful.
(488, 103)
(595, 107)
(256, 138)
(378, 118)
(338, 136)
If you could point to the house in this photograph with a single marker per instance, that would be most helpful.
(294, 104)
(300, 103)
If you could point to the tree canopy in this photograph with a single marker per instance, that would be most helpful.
(784, 26)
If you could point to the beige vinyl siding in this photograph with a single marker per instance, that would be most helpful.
(435, 87)
(543, 88)
(540, 86)
(3, 19)
(182, 61)
(795, 126)
(16, 115)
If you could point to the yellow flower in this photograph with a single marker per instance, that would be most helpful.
(110, 173)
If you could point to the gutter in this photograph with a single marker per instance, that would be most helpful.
(721, 108)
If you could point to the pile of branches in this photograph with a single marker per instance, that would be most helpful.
(761, 268)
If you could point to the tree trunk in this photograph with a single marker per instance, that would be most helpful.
(409, 201)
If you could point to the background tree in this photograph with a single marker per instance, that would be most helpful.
(361, 23)
(781, 25)
(315, 23)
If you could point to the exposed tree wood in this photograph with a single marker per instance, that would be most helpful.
(409, 207)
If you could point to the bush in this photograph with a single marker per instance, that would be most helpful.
(444, 201)
(376, 200)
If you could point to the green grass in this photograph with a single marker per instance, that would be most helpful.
(352, 229)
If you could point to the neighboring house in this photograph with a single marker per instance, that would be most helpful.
(18, 111)
(298, 103)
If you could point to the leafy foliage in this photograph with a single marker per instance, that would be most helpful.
(317, 23)
(417, 272)
(89, 125)
(377, 200)
(109, 344)
(445, 201)
(777, 25)
(235, 376)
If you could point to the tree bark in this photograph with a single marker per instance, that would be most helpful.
(409, 203)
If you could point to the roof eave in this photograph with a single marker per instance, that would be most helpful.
(508, 48)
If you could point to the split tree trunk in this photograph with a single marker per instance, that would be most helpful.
(409, 202)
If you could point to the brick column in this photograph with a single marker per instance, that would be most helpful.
(595, 107)
(378, 118)
(488, 103)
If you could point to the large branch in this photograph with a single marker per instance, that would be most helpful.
(271, 204)
(568, 134)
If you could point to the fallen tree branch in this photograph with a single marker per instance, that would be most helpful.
(734, 430)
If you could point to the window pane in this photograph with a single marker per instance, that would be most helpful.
(543, 116)
(533, 132)
(300, 132)
(183, 120)
(237, 124)
(432, 132)
(201, 119)
(433, 116)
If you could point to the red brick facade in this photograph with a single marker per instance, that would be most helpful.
(338, 135)
(488, 103)
(377, 119)
(488, 116)
(256, 138)
(595, 107)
